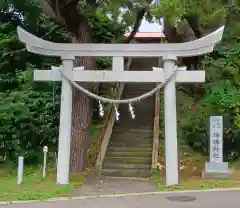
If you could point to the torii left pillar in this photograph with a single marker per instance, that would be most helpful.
(170, 116)
(64, 143)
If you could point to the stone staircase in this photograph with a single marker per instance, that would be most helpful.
(129, 152)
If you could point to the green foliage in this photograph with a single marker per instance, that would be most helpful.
(28, 115)
(222, 94)
(29, 112)
(210, 11)
(29, 119)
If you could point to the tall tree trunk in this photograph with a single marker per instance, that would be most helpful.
(82, 105)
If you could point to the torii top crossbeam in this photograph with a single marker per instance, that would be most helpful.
(197, 47)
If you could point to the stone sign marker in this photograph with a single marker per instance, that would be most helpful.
(216, 168)
(216, 139)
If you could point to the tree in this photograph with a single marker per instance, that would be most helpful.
(29, 112)
(80, 17)
(25, 108)
(77, 17)
(220, 94)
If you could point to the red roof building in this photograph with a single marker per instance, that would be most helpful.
(147, 36)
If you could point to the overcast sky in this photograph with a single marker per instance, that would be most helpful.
(150, 27)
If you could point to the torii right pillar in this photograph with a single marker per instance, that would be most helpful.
(170, 112)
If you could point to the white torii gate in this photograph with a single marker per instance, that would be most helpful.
(169, 53)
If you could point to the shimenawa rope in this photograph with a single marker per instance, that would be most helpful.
(115, 101)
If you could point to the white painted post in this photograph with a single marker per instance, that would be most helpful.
(20, 170)
(64, 142)
(45, 150)
(170, 116)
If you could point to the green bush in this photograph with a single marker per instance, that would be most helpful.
(221, 97)
(29, 119)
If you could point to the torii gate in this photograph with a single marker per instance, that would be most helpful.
(169, 54)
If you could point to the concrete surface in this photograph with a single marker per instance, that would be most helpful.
(106, 185)
(228, 199)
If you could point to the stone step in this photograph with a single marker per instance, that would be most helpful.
(147, 106)
(143, 64)
(122, 144)
(129, 160)
(145, 110)
(139, 86)
(131, 133)
(129, 154)
(141, 122)
(139, 112)
(129, 149)
(127, 136)
(132, 85)
(126, 173)
(121, 129)
(145, 113)
(110, 165)
(143, 103)
(126, 126)
(130, 142)
(138, 93)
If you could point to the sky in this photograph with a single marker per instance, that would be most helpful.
(146, 26)
(150, 27)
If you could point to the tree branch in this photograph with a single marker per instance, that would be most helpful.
(186, 32)
(171, 34)
(92, 3)
(194, 22)
(47, 9)
(99, 2)
(136, 26)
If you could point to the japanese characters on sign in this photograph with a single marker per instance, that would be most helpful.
(216, 139)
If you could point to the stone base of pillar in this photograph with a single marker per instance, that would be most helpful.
(215, 171)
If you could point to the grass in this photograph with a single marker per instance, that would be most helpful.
(199, 185)
(34, 186)
(191, 166)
